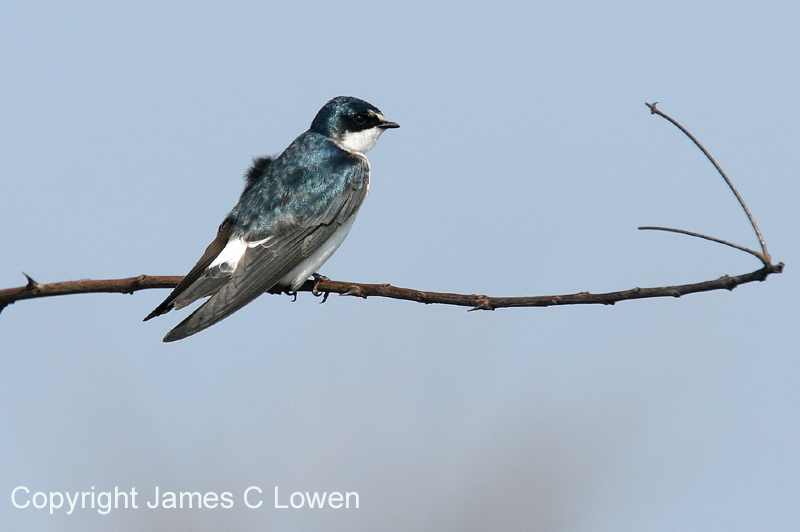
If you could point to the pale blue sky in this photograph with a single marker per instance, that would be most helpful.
(525, 161)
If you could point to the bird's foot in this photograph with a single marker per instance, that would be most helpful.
(315, 289)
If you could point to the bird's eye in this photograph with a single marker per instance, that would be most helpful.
(360, 119)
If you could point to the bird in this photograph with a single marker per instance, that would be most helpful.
(294, 213)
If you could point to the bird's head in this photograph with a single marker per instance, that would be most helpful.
(353, 124)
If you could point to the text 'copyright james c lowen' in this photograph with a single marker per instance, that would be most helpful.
(253, 497)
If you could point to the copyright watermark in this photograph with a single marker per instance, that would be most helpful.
(253, 497)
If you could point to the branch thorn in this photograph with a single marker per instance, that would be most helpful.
(354, 291)
(482, 303)
(31, 284)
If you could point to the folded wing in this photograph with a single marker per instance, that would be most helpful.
(274, 252)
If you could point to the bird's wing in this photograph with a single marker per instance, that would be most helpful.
(196, 274)
(202, 281)
(272, 252)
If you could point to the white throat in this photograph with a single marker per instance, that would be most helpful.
(360, 141)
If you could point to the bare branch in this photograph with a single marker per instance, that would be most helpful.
(483, 302)
(365, 290)
(130, 285)
(765, 258)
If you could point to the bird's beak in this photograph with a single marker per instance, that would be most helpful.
(388, 125)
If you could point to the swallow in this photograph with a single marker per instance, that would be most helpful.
(294, 213)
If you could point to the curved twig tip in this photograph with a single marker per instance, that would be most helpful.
(764, 255)
(756, 254)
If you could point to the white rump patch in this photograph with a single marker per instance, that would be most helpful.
(231, 254)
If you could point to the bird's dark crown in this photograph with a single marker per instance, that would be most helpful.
(344, 114)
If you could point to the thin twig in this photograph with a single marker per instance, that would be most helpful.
(706, 237)
(765, 258)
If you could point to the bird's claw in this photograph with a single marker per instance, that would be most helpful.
(317, 279)
(315, 289)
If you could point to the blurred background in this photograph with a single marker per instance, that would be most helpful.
(525, 162)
